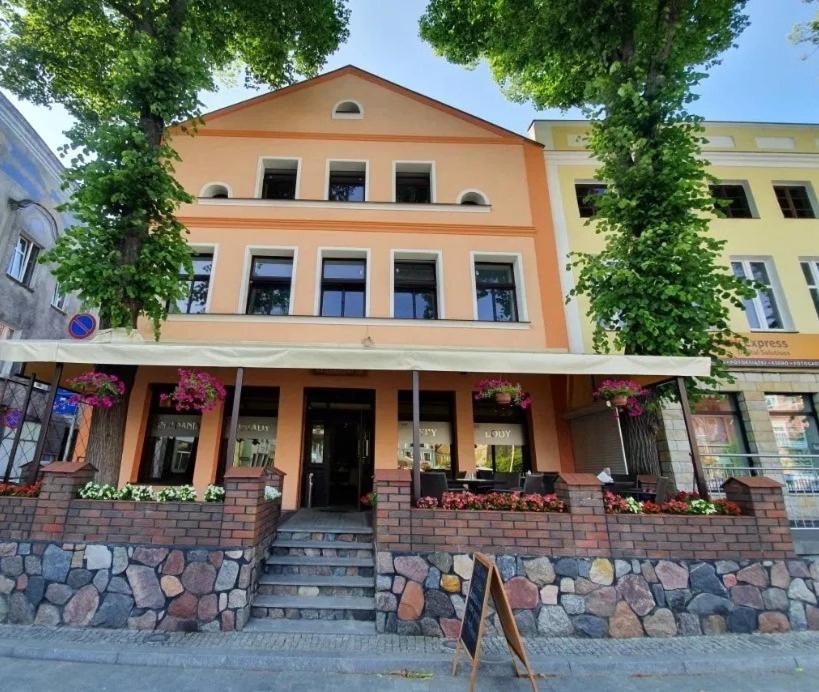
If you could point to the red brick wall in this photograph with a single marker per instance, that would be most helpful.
(244, 519)
(586, 530)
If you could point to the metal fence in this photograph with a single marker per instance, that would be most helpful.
(24, 443)
(798, 472)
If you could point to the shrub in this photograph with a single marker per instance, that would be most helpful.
(137, 493)
(681, 503)
(214, 493)
(14, 490)
(97, 491)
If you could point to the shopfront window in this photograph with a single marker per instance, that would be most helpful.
(501, 438)
(719, 431)
(436, 431)
(170, 449)
(256, 430)
(794, 422)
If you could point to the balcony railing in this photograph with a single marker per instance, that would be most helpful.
(798, 472)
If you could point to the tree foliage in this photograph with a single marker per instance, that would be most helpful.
(125, 71)
(659, 286)
(807, 33)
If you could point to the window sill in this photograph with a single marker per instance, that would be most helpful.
(330, 204)
(20, 283)
(58, 309)
(366, 321)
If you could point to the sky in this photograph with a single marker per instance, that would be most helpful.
(764, 78)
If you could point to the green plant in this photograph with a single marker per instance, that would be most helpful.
(214, 493)
(137, 493)
(178, 493)
(97, 491)
(490, 386)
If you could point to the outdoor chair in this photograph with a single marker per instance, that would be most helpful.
(484, 474)
(534, 483)
(433, 484)
(507, 481)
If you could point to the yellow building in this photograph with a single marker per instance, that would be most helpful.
(770, 174)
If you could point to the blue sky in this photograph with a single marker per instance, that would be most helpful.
(764, 78)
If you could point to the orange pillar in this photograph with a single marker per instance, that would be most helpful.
(289, 436)
(207, 450)
(465, 427)
(386, 427)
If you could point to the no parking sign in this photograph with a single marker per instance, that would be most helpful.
(82, 325)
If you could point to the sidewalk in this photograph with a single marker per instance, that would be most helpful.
(390, 653)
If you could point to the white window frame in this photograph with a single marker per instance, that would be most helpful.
(437, 256)
(516, 260)
(814, 203)
(776, 290)
(748, 196)
(348, 116)
(813, 270)
(433, 198)
(261, 167)
(328, 166)
(58, 299)
(252, 251)
(324, 253)
(25, 262)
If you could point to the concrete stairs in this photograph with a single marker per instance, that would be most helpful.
(317, 581)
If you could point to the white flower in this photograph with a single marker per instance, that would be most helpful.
(271, 493)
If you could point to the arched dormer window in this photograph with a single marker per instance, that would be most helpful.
(215, 191)
(473, 198)
(348, 109)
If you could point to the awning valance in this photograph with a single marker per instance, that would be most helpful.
(344, 357)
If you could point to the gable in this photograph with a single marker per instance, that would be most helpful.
(388, 110)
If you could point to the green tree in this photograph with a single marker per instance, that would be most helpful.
(807, 32)
(125, 71)
(659, 286)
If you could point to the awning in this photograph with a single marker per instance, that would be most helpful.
(134, 351)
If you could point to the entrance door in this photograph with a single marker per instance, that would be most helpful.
(338, 461)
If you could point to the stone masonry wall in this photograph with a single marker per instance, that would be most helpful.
(140, 587)
(144, 565)
(424, 593)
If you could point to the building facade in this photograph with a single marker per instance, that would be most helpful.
(769, 174)
(31, 304)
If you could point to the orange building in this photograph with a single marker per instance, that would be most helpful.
(347, 233)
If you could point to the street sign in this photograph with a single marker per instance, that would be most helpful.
(82, 325)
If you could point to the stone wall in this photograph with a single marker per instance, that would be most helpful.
(586, 530)
(146, 565)
(424, 593)
(140, 587)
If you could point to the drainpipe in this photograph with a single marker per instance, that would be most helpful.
(416, 436)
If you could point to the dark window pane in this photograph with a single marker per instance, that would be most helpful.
(425, 306)
(494, 274)
(415, 271)
(412, 188)
(272, 267)
(354, 304)
(345, 269)
(585, 193)
(404, 302)
(486, 305)
(505, 309)
(346, 186)
(279, 185)
(268, 300)
(732, 201)
(794, 201)
(331, 302)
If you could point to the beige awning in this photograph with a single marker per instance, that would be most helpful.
(134, 351)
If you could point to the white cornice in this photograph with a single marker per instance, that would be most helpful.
(714, 158)
(328, 204)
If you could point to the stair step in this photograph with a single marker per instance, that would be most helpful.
(315, 602)
(286, 626)
(323, 545)
(284, 528)
(316, 580)
(320, 561)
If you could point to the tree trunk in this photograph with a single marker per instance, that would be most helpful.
(640, 441)
(105, 438)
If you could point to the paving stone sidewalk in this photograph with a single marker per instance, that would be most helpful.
(383, 653)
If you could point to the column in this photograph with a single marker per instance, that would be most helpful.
(289, 441)
(386, 428)
(465, 427)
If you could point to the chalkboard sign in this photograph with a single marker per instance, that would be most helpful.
(486, 581)
(475, 607)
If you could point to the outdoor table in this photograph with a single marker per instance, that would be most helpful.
(474, 485)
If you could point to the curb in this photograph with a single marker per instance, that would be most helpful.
(342, 662)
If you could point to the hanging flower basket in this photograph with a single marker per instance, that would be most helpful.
(503, 392)
(195, 391)
(625, 394)
(97, 389)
